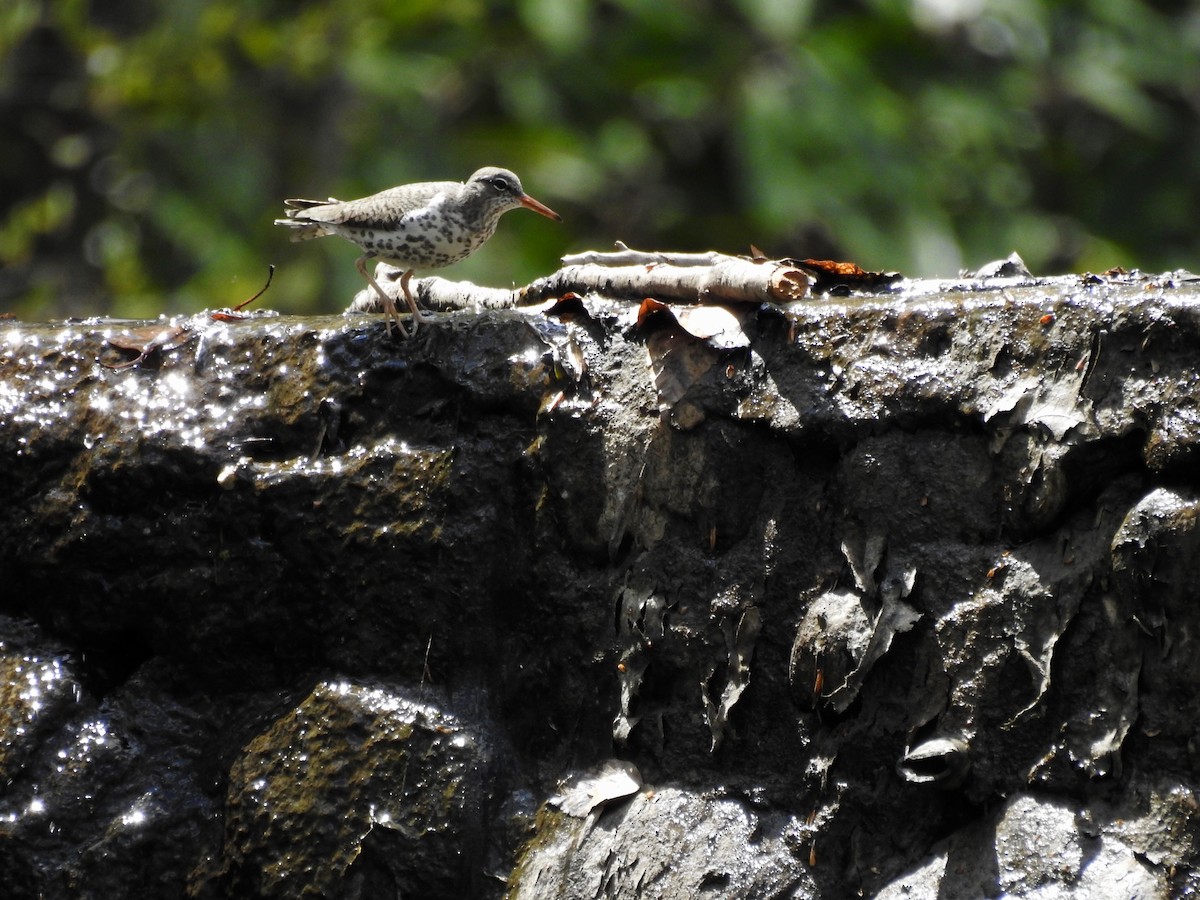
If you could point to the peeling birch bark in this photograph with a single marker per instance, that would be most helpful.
(727, 279)
(626, 274)
(433, 293)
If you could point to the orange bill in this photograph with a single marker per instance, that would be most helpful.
(529, 203)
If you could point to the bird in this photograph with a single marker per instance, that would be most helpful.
(425, 225)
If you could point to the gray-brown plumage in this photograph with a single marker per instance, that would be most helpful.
(425, 225)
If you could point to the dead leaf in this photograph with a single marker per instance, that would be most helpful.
(678, 362)
(567, 306)
(1012, 266)
(614, 779)
(147, 340)
(830, 275)
(717, 325)
(740, 646)
(651, 307)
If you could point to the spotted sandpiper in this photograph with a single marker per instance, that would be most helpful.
(425, 225)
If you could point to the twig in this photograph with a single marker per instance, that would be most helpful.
(245, 303)
(425, 666)
(624, 256)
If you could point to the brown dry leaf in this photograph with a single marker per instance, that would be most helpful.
(678, 359)
(649, 308)
(831, 274)
(568, 305)
(146, 340)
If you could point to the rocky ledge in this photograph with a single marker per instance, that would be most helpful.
(863, 594)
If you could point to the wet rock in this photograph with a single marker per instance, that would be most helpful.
(1154, 554)
(663, 843)
(357, 792)
(39, 691)
(1033, 848)
(830, 643)
(883, 569)
(110, 796)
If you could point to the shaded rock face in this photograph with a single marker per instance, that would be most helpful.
(894, 596)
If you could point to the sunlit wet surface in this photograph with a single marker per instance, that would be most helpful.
(242, 399)
(208, 391)
(32, 686)
(187, 395)
(42, 699)
(291, 765)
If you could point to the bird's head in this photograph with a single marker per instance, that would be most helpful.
(503, 188)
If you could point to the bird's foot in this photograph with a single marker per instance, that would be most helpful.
(389, 305)
(393, 315)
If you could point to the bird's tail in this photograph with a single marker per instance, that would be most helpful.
(303, 228)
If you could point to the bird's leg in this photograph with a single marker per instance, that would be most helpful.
(389, 305)
(417, 315)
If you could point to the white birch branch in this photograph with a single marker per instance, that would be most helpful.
(669, 277)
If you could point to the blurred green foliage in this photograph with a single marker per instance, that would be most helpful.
(146, 145)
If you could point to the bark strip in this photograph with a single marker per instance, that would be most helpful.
(625, 274)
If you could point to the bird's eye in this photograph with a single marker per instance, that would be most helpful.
(501, 184)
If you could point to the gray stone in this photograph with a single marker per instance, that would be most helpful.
(528, 543)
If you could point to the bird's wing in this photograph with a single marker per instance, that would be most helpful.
(376, 211)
